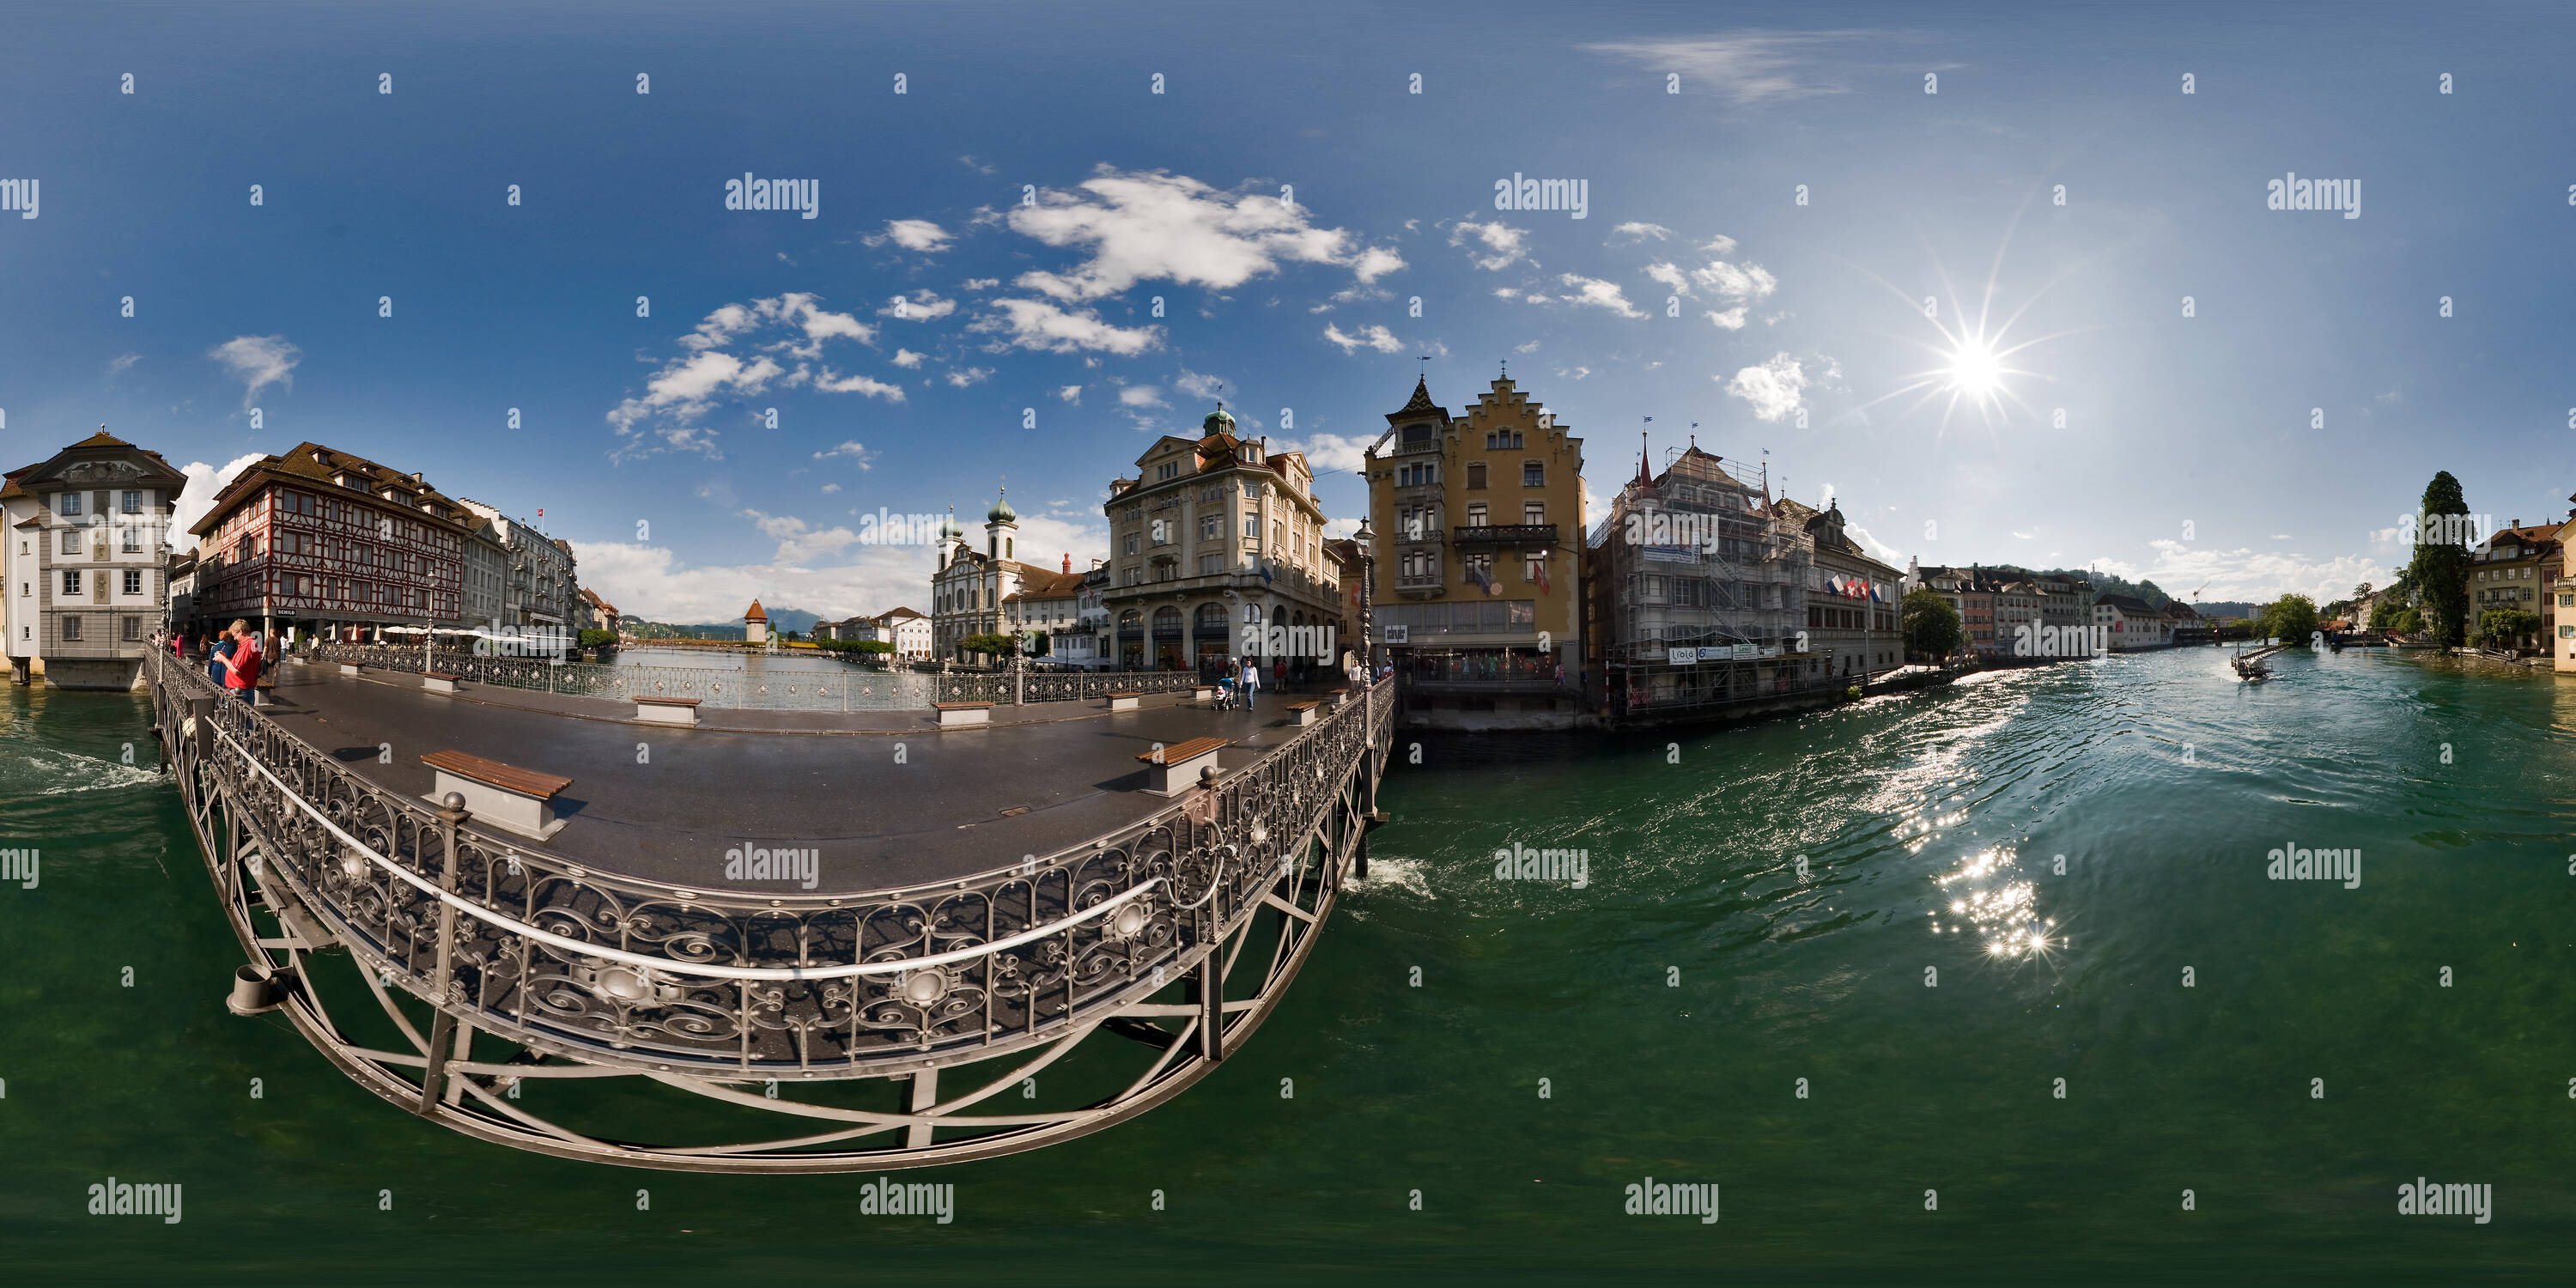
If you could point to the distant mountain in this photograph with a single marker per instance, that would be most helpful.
(2227, 608)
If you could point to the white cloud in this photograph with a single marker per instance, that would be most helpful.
(1071, 394)
(1327, 453)
(830, 488)
(1885, 552)
(1599, 294)
(906, 358)
(1737, 287)
(1746, 67)
(854, 451)
(1574, 373)
(1509, 245)
(258, 361)
(1198, 384)
(1140, 396)
(1638, 232)
(1775, 388)
(686, 387)
(981, 283)
(1374, 337)
(912, 234)
(964, 376)
(921, 306)
(1729, 319)
(1531, 347)
(1141, 226)
(831, 383)
(1043, 327)
(2244, 574)
(977, 166)
(117, 365)
(205, 483)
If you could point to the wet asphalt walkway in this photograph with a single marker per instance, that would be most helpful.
(886, 797)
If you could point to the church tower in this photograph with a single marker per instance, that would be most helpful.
(1001, 528)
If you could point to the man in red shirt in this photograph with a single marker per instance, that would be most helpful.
(241, 672)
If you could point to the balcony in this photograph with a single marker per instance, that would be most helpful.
(1421, 585)
(1527, 536)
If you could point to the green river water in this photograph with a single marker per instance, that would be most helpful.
(1671, 1003)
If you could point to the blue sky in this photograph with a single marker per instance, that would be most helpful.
(1695, 289)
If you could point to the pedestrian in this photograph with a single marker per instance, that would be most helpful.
(1251, 681)
(241, 666)
(219, 658)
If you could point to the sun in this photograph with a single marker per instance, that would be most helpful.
(1976, 371)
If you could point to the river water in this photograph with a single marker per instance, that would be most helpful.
(1671, 1004)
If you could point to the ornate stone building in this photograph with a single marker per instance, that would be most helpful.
(1213, 543)
(87, 562)
(969, 587)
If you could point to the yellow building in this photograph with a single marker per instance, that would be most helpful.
(1479, 522)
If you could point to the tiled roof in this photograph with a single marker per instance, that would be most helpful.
(314, 463)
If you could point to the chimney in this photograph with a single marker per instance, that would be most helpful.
(1068, 561)
(415, 476)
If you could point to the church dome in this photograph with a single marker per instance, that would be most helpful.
(1001, 512)
(1218, 422)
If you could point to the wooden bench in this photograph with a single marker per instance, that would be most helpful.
(1339, 697)
(1203, 693)
(1173, 770)
(350, 668)
(439, 681)
(1304, 711)
(670, 711)
(953, 714)
(505, 796)
(1125, 701)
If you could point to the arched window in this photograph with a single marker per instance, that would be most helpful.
(1211, 619)
(1167, 618)
(1131, 620)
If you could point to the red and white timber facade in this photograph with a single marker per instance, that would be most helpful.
(320, 542)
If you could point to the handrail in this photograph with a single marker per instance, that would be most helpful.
(672, 965)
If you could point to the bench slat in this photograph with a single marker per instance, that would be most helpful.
(962, 706)
(1194, 748)
(668, 702)
(494, 773)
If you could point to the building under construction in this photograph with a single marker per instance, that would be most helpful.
(1702, 593)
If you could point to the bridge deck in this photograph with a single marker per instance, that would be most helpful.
(826, 781)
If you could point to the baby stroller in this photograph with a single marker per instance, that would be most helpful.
(1226, 698)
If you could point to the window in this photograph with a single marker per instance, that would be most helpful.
(1533, 511)
(1503, 440)
(133, 537)
(1211, 564)
(133, 502)
(1278, 535)
(1252, 527)
(71, 581)
(1533, 474)
(71, 541)
(1208, 530)
(71, 627)
(134, 581)
(71, 504)
(133, 629)
(1167, 470)
(1131, 543)
(1476, 475)
(1475, 514)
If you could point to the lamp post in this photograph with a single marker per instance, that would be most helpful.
(1368, 593)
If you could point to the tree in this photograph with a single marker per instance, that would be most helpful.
(2502, 628)
(594, 637)
(2440, 571)
(1932, 628)
(2291, 618)
(988, 642)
